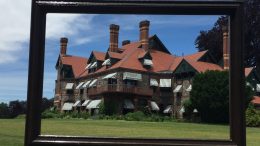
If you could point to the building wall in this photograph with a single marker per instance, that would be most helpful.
(183, 95)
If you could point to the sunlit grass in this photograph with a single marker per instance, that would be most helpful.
(12, 131)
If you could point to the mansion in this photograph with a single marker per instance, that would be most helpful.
(134, 75)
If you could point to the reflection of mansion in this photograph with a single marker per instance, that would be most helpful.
(133, 76)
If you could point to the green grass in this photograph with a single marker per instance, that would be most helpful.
(12, 131)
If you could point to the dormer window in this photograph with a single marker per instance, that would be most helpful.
(94, 65)
(148, 62)
(146, 59)
(107, 62)
(88, 66)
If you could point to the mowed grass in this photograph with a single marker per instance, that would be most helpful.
(12, 131)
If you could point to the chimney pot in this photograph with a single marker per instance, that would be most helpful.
(114, 27)
(225, 47)
(144, 34)
(63, 45)
(125, 42)
(113, 44)
(144, 23)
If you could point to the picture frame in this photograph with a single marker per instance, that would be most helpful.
(40, 8)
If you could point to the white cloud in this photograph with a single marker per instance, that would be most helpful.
(81, 41)
(15, 27)
(59, 25)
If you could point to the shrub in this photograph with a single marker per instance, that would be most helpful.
(210, 96)
(188, 106)
(22, 116)
(84, 115)
(108, 107)
(47, 114)
(156, 118)
(252, 117)
(75, 114)
(135, 116)
(168, 119)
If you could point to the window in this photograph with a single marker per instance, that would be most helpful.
(130, 83)
(112, 81)
(233, 8)
(70, 91)
(81, 91)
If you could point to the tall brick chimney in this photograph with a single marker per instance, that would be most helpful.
(225, 47)
(63, 46)
(113, 44)
(144, 34)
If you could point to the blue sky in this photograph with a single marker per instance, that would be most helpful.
(85, 33)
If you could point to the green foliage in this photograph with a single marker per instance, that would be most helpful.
(47, 114)
(4, 111)
(16, 108)
(210, 96)
(79, 115)
(212, 39)
(252, 117)
(22, 116)
(108, 108)
(188, 106)
(46, 103)
(135, 116)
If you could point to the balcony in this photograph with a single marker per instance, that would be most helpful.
(145, 91)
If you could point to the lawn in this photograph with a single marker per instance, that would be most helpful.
(12, 131)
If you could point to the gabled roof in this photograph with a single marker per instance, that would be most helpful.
(77, 63)
(204, 66)
(248, 70)
(193, 60)
(162, 47)
(196, 56)
(176, 63)
(100, 56)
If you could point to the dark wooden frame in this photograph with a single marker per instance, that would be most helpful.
(233, 8)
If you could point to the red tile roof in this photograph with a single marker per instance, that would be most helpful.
(78, 64)
(248, 71)
(204, 66)
(195, 56)
(175, 63)
(99, 55)
(193, 61)
(256, 100)
(131, 59)
(142, 54)
(115, 55)
(162, 61)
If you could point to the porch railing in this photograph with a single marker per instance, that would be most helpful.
(114, 88)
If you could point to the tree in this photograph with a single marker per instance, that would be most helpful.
(212, 39)
(4, 110)
(17, 107)
(210, 96)
(46, 103)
